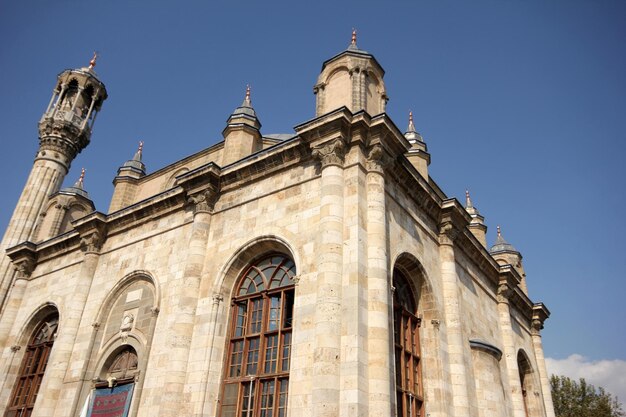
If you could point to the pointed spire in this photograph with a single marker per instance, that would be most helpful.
(247, 102)
(411, 134)
(92, 63)
(81, 180)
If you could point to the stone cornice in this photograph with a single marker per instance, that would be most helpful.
(24, 258)
(92, 230)
(540, 315)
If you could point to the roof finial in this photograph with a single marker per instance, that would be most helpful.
(353, 42)
(138, 154)
(499, 231)
(468, 200)
(92, 63)
(411, 127)
(248, 92)
(81, 180)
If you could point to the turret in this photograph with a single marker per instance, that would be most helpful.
(126, 180)
(242, 135)
(353, 79)
(64, 131)
(477, 224)
(504, 253)
(418, 154)
(65, 206)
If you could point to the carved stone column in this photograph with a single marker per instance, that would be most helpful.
(212, 367)
(329, 251)
(183, 301)
(70, 357)
(378, 289)
(457, 343)
(510, 355)
(540, 314)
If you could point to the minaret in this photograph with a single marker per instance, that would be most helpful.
(126, 180)
(504, 253)
(477, 224)
(242, 136)
(418, 154)
(352, 78)
(64, 130)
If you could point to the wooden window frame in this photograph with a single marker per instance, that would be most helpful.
(247, 393)
(407, 350)
(32, 369)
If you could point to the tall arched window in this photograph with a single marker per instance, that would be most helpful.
(409, 391)
(257, 369)
(33, 368)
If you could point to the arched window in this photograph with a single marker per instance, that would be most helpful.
(409, 391)
(257, 368)
(33, 368)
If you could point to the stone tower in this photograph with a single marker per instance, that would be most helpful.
(64, 131)
(354, 79)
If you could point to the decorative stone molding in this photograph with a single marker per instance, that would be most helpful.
(155, 311)
(296, 280)
(95, 325)
(92, 242)
(377, 159)
(15, 348)
(436, 323)
(24, 259)
(536, 326)
(25, 268)
(486, 347)
(204, 201)
(331, 153)
(126, 326)
(217, 298)
(448, 233)
(504, 292)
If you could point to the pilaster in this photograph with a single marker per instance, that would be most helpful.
(378, 288)
(540, 314)
(327, 350)
(505, 291)
(451, 225)
(202, 190)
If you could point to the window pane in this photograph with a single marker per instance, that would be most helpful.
(267, 398)
(288, 310)
(271, 354)
(282, 397)
(253, 356)
(240, 321)
(236, 357)
(286, 352)
(257, 315)
(247, 399)
(274, 318)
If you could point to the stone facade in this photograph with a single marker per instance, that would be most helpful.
(347, 198)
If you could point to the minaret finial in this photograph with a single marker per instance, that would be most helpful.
(468, 200)
(353, 42)
(248, 92)
(92, 63)
(411, 127)
(81, 180)
(138, 154)
(499, 231)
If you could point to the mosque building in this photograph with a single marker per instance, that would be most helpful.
(316, 274)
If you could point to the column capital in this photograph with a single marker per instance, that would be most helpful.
(15, 348)
(504, 292)
(217, 298)
(203, 201)
(331, 153)
(540, 315)
(24, 259)
(93, 232)
(377, 159)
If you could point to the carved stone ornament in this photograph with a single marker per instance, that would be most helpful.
(92, 242)
(155, 311)
(204, 201)
(331, 153)
(15, 348)
(296, 280)
(504, 292)
(377, 159)
(448, 233)
(25, 268)
(436, 323)
(217, 298)
(535, 326)
(126, 326)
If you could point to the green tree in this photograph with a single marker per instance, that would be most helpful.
(579, 399)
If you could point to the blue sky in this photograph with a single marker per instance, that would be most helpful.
(521, 101)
